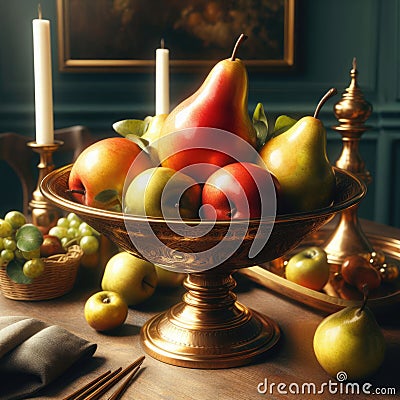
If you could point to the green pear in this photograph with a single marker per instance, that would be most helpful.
(299, 161)
(350, 341)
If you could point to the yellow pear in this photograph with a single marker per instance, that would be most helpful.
(299, 161)
(350, 341)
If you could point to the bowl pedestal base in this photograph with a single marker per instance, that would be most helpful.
(209, 329)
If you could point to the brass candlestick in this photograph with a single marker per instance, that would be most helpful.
(44, 214)
(351, 111)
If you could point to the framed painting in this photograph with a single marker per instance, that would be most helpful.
(122, 35)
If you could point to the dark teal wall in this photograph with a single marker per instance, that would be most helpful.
(331, 33)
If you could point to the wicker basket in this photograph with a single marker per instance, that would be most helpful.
(58, 278)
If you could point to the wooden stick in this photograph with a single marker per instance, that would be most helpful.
(121, 390)
(87, 386)
(98, 384)
(102, 389)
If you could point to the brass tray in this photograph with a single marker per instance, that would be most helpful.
(330, 299)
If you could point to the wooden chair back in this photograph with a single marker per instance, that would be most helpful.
(23, 161)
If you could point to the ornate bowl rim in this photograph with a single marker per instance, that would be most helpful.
(46, 187)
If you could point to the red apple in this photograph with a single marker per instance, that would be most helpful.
(51, 245)
(239, 191)
(98, 175)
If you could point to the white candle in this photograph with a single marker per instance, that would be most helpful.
(162, 80)
(43, 81)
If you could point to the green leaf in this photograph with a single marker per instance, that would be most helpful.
(142, 143)
(28, 237)
(260, 123)
(131, 126)
(282, 124)
(106, 196)
(145, 146)
(15, 272)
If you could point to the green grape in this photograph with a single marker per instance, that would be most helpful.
(59, 231)
(29, 255)
(6, 228)
(33, 268)
(85, 229)
(89, 244)
(7, 255)
(74, 224)
(1, 244)
(9, 244)
(2, 261)
(15, 218)
(64, 241)
(72, 227)
(73, 217)
(63, 222)
(72, 233)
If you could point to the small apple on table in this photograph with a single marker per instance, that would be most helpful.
(309, 268)
(105, 310)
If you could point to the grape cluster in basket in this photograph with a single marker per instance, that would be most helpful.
(72, 230)
(23, 247)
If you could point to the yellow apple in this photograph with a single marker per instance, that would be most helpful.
(105, 310)
(169, 279)
(133, 278)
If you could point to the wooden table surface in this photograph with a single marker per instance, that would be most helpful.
(290, 363)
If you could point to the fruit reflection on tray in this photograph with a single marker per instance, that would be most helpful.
(337, 293)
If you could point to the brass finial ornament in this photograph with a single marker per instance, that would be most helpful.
(351, 111)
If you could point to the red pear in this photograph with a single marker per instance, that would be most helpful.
(221, 104)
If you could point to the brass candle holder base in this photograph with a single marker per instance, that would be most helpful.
(44, 214)
(348, 238)
(209, 329)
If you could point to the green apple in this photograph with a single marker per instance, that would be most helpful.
(133, 278)
(105, 310)
(163, 192)
(169, 279)
(309, 268)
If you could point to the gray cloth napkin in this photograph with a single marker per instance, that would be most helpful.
(33, 354)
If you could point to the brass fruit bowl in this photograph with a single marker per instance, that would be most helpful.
(209, 328)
